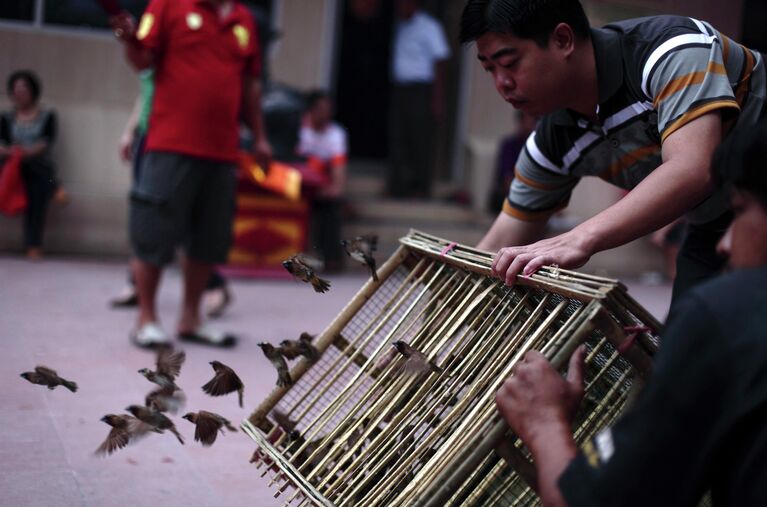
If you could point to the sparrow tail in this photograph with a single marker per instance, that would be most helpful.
(69, 385)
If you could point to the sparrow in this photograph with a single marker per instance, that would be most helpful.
(274, 356)
(165, 399)
(291, 349)
(168, 367)
(45, 376)
(207, 425)
(297, 267)
(416, 361)
(361, 249)
(155, 419)
(286, 424)
(225, 381)
(124, 429)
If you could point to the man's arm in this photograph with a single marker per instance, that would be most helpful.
(507, 230)
(252, 91)
(124, 27)
(540, 406)
(681, 182)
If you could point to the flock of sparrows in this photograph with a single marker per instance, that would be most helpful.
(359, 248)
(168, 397)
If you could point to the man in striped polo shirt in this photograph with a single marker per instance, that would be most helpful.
(640, 103)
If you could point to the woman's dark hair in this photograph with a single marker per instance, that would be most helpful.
(30, 78)
(740, 162)
(526, 19)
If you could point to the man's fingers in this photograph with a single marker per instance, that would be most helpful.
(575, 368)
(534, 265)
(516, 267)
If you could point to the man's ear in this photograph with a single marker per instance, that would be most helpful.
(563, 39)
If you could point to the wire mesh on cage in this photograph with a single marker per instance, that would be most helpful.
(366, 425)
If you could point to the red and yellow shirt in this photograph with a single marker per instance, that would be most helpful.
(201, 60)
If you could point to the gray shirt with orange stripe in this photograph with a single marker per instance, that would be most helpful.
(654, 75)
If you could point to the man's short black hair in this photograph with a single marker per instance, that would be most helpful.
(315, 96)
(29, 78)
(740, 162)
(526, 19)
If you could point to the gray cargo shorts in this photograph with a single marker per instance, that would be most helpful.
(182, 200)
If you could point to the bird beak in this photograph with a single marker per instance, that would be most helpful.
(210, 363)
(103, 419)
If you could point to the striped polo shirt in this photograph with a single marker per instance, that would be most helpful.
(654, 75)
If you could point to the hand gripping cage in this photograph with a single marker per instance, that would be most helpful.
(369, 432)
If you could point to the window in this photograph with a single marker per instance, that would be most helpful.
(23, 10)
(87, 13)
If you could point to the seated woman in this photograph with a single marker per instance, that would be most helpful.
(32, 130)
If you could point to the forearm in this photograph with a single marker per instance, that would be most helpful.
(509, 231)
(553, 448)
(663, 196)
(137, 55)
(252, 108)
(34, 150)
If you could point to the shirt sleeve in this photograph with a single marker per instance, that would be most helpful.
(438, 42)
(659, 452)
(254, 66)
(687, 78)
(538, 190)
(150, 30)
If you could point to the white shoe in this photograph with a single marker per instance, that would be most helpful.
(150, 335)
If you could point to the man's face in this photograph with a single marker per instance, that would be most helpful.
(530, 78)
(745, 242)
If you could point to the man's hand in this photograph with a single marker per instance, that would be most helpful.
(567, 251)
(125, 146)
(124, 26)
(536, 397)
(262, 151)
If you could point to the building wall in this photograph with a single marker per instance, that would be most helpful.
(85, 78)
(87, 82)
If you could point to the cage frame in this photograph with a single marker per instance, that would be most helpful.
(607, 305)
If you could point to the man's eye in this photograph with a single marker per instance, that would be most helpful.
(510, 64)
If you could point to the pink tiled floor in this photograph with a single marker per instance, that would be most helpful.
(55, 313)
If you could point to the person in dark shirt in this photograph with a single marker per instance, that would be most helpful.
(31, 129)
(700, 424)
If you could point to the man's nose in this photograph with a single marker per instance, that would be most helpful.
(725, 244)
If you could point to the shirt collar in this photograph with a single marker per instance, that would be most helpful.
(233, 17)
(609, 58)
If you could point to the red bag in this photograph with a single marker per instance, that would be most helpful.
(13, 197)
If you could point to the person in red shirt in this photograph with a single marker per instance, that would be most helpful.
(207, 66)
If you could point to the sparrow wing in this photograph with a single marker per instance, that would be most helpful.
(46, 372)
(206, 429)
(223, 382)
(117, 439)
(169, 362)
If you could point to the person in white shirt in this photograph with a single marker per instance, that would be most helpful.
(417, 100)
(323, 143)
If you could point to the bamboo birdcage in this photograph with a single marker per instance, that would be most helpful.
(371, 434)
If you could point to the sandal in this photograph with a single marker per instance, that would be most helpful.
(207, 336)
(150, 336)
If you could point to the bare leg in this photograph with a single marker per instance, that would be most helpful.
(147, 278)
(196, 276)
